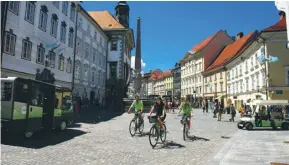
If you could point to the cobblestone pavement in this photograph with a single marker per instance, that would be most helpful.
(110, 143)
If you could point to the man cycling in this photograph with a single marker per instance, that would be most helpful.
(137, 105)
(186, 109)
(159, 109)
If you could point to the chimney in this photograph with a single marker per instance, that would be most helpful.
(233, 38)
(240, 35)
(282, 15)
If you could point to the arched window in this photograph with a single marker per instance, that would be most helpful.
(64, 7)
(68, 65)
(63, 31)
(72, 11)
(61, 63)
(54, 24)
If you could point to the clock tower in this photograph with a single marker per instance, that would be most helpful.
(122, 13)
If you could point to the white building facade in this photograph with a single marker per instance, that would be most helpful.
(39, 33)
(91, 59)
(246, 79)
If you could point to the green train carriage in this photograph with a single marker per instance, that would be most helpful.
(29, 105)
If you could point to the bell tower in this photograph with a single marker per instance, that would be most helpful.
(122, 13)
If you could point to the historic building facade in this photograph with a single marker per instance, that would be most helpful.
(40, 35)
(91, 58)
(177, 81)
(121, 42)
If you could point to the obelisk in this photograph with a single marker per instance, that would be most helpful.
(138, 59)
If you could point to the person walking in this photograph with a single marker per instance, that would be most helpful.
(233, 112)
(204, 105)
(220, 112)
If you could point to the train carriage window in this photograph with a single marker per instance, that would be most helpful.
(37, 95)
(67, 101)
(21, 91)
(6, 91)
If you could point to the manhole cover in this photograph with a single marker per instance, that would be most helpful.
(274, 163)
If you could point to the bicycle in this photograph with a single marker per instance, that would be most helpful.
(136, 124)
(156, 132)
(185, 120)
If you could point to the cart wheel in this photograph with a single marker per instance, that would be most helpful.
(249, 126)
(28, 134)
(240, 127)
(63, 126)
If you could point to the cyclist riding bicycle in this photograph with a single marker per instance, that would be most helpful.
(137, 105)
(186, 108)
(159, 109)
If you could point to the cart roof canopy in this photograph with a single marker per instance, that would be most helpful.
(271, 102)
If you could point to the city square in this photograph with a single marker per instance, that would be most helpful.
(209, 81)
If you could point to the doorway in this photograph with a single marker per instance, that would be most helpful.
(48, 106)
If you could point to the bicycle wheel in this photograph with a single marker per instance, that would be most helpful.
(153, 136)
(140, 126)
(163, 134)
(132, 128)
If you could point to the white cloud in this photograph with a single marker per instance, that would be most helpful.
(133, 62)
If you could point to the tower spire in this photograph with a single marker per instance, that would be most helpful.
(138, 58)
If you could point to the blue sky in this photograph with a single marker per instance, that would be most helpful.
(170, 29)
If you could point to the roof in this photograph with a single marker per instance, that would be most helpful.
(167, 73)
(200, 46)
(105, 20)
(156, 74)
(279, 26)
(231, 51)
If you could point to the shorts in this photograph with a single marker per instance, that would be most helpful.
(184, 117)
(162, 118)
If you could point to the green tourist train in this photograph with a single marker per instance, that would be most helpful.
(29, 105)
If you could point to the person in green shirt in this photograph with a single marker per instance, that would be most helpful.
(186, 109)
(137, 104)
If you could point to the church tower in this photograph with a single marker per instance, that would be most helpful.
(122, 13)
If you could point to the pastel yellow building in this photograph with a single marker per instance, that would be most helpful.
(168, 78)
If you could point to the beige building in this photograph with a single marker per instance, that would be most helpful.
(215, 76)
(199, 59)
(168, 82)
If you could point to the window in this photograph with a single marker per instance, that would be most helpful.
(68, 65)
(70, 37)
(256, 59)
(114, 45)
(26, 49)
(253, 82)
(100, 58)
(99, 77)
(287, 76)
(95, 36)
(63, 32)
(236, 69)
(257, 79)
(241, 86)
(43, 18)
(78, 46)
(229, 89)
(228, 75)
(86, 50)
(54, 24)
(80, 22)
(221, 87)
(93, 75)
(247, 84)
(51, 59)
(85, 72)
(40, 54)
(93, 55)
(252, 62)
(64, 7)
(56, 4)
(61, 63)
(6, 91)
(263, 78)
(72, 12)
(30, 12)
(246, 66)
(221, 75)
(14, 7)
(240, 70)
(9, 45)
(77, 70)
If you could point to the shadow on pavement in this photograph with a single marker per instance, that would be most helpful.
(195, 138)
(143, 134)
(94, 116)
(41, 139)
(171, 145)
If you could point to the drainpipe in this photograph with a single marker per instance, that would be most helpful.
(74, 49)
(4, 9)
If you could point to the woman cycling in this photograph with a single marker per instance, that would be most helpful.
(159, 109)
